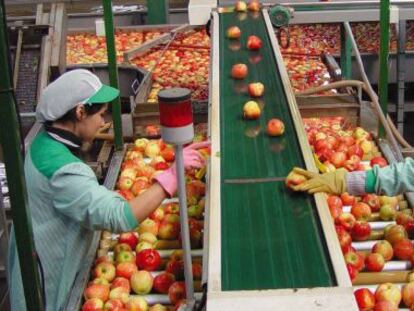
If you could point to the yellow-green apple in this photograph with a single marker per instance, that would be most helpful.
(105, 270)
(169, 230)
(294, 179)
(395, 233)
(162, 282)
(233, 32)
(126, 269)
(386, 306)
(388, 200)
(99, 291)
(366, 146)
(374, 262)
(361, 230)
(148, 237)
(125, 183)
(384, 248)
(113, 305)
(240, 6)
(122, 247)
(347, 199)
(361, 211)
(143, 245)
(136, 303)
(275, 127)
(99, 281)
(141, 282)
(346, 220)
(157, 215)
(176, 292)
(152, 149)
(130, 173)
(129, 238)
(148, 225)
(365, 299)
(141, 144)
(172, 218)
(125, 256)
(387, 212)
(172, 208)
(158, 307)
(239, 71)
(388, 292)
(373, 201)
(354, 259)
(196, 211)
(360, 133)
(121, 282)
(403, 249)
(256, 89)
(94, 304)
(254, 6)
(119, 293)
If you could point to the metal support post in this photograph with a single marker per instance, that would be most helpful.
(185, 234)
(346, 54)
(157, 11)
(401, 74)
(113, 71)
(11, 143)
(384, 54)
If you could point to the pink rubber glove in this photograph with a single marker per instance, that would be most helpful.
(192, 158)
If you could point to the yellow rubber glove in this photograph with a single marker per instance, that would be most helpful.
(332, 182)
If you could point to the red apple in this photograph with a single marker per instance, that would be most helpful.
(240, 6)
(119, 293)
(239, 71)
(140, 184)
(374, 262)
(353, 163)
(126, 269)
(408, 294)
(365, 299)
(233, 32)
(347, 220)
(388, 292)
(172, 208)
(254, 43)
(384, 248)
(197, 271)
(352, 272)
(129, 238)
(355, 150)
(256, 89)
(121, 282)
(168, 154)
(99, 291)
(361, 231)
(361, 211)
(373, 201)
(403, 249)
(176, 292)
(347, 140)
(157, 215)
(395, 233)
(354, 259)
(163, 281)
(94, 304)
(251, 110)
(175, 267)
(169, 230)
(294, 179)
(334, 201)
(104, 270)
(378, 161)
(148, 259)
(385, 306)
(275, 127)
(347, 199)
(141, 282)
(344, 239)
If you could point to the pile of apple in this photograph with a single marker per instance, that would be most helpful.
(192, 39)
(134, 264)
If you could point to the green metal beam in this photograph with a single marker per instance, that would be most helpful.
(113, 71)
(157, 11)
(384, 54)
(11, 143)
(346, 54)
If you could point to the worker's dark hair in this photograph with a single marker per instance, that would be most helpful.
(70, 116)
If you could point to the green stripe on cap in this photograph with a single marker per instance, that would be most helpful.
(105, 94)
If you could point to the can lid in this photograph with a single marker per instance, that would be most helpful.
(174, 95)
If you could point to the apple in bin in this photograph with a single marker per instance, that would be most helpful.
(104, 270)
(125, 256)
(361, 231)
(361, 211)
(380, 161)
(129, 238)
(251, 110)
(384, 248)
(99, 291)
(347, 199)
(126, 269)
(176, 292)
(387, 212)
(125, 183)
(233, 32)
(143, 245)
(373, 201)
(157, 215)
(254, 6)
(346, 220)
(148, 237)
(395, 233)
(158, 307)
(354, 259)
(408, 294)
(101, 281)
(169, 230)
(240, 6)
(148, 225)
(388, 292)
(338, 159)
(163, 281)
(94, 304)
(365, 299)
(148, 259)
(256, 89)
(141, 282)
(386, 306)
(388, 200)
(120, 293)
(374, 262)
(121, 282)
(344, 238)
(113, 305)
(254, 43)
(403, 249)
(275, 127)
(352, 272)
(176, 268)
(136, 303)
(239, 71)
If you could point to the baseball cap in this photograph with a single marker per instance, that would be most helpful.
(79, 86)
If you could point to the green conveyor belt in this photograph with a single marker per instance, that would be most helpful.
(271, 238)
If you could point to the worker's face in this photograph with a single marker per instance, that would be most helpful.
(88, 125)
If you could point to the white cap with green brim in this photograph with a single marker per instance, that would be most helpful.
(75, 87)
